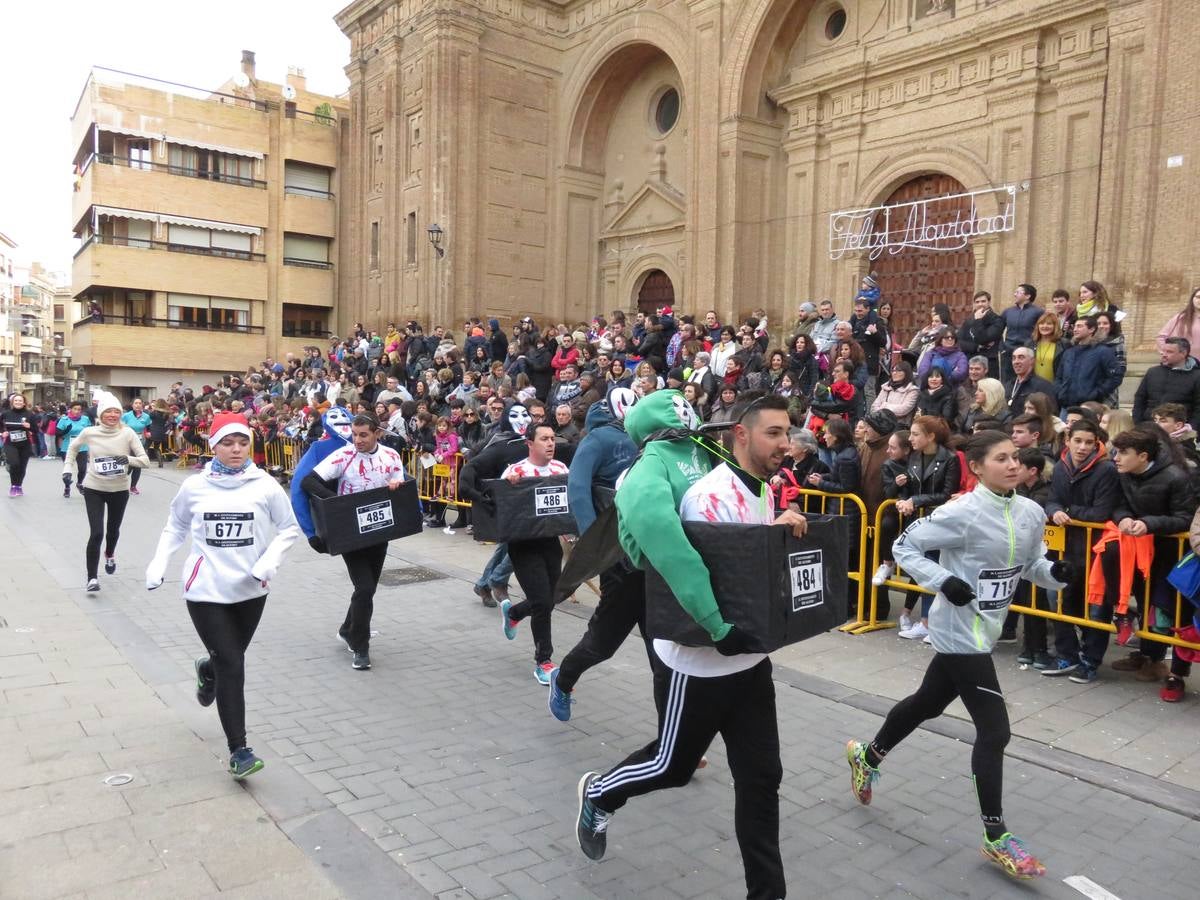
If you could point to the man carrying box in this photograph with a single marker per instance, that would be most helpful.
(703, 691)
(537, 563)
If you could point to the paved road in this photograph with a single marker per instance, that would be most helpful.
(440, 773)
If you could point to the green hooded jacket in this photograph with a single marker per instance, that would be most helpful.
(648, 501)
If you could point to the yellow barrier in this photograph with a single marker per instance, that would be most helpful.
(1056, 543)
(873, 623)
(436, 482)
(857, 625)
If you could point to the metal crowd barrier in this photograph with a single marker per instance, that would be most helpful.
(436, 482)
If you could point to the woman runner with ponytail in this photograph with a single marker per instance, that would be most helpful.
(988, 541)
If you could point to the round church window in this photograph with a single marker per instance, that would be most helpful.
(835, 24)
(666, 110)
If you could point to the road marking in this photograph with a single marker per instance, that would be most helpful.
(1089, 888)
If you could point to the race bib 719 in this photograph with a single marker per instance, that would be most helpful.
(995, 587)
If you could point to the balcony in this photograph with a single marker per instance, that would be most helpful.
(309, 212)
(165, 344)
(208, 271)
(307, 283)
(155, 187)
(31, 344)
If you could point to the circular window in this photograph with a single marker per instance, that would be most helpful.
(835, 24)
(666, 110)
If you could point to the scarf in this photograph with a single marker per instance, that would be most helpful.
(219, 468)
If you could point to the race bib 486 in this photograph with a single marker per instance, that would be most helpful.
(550, 501)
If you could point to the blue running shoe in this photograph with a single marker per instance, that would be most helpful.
(559, 701)
(243, 763)
(592, 824)
(510, 627)
(1061, 667)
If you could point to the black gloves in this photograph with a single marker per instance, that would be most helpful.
(1063, 571)
(121, 460)
(317, 544)
(737, 641)
(957, 591)
(67, 478)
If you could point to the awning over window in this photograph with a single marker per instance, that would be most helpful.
(175, 220)
(172, 139)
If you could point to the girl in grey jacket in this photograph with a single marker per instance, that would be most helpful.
(988, 540)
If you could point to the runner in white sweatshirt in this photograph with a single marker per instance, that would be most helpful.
(241, 524)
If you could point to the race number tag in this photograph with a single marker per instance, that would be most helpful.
(17, 437)
(996, 587)
(808, 580)
(550, 501)
(374, 516)
(108, 466)
(232, 529)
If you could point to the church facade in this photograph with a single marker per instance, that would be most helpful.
(581, 156)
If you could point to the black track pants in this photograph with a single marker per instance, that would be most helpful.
(226, 629)
(365, 566)
(17, 455)
(537, 565)
(622, 606)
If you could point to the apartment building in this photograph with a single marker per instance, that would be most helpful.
(41, 370)
(207, 226)
(8, 337)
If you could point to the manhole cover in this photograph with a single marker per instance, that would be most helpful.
(408, 575)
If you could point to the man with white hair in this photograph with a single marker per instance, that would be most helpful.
(1024, 382)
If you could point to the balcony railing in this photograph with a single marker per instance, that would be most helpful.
(110, 159)
(147, 322)
(306, 263)
(146, 244)
(293, 331)
(307, 192)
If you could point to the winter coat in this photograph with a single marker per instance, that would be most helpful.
(931, 482)
(845, 476)
(900, 399)
(981, 337)
(1161, 497)
(537, 365)
(942, 403)
(1086, 493)
(1019, 323)
(604, 453)
(1088, 372)
(1159, 385)
(950, 360)
(1019, 393)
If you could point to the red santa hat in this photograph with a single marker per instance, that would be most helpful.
(225, 424)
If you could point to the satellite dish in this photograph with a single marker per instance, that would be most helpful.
(289, 92)
(241, 79)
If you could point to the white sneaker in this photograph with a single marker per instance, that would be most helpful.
(882, 574)
(917, 632)
(447, 530)
(904, 623)
(927, 640)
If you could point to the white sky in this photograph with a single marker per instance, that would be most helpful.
(51, 44)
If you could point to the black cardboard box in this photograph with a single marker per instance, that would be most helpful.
(354, 521)
(532, 508)
(776, 588)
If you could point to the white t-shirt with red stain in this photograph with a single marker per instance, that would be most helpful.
(526, 469)
(720, 496)
(357, 472)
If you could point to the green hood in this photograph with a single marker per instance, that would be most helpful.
(661, 409)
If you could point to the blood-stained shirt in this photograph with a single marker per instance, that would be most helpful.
(720, 496)
(526, 469)
(356, 472)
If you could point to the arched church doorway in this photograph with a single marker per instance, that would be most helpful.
(915, 279)
(656, 291)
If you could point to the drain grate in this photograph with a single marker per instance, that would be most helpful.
(408, 575)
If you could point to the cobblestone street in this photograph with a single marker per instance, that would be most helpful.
(441, 773)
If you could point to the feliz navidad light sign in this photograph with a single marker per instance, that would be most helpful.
(924, 224)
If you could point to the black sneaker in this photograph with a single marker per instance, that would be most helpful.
(67, 491)
(110, 566)
(361, 660)
(206, 685)
(243, 763)
(485, 596)
(1025, 658)
(592, 824)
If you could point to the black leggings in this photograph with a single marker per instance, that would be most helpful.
(226, 629)
(622, 606)
(365, 566)
(537, 565)
(96, 502)
(17, 456)
(971, 676)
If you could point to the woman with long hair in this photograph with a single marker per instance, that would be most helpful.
(1108, 332)
(926, 339)
(1185, 323)
(1043, 406)
(989, 402)
(773, 370)
(618, 375)
(985, 542)
(694, 395)
(241, 524)
(804, 364)
(1093, 298)
(1047, 346)
(937, 398)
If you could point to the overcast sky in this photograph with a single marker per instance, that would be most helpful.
(51, 44)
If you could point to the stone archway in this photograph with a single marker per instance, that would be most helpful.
(656, 291)
(913, 280)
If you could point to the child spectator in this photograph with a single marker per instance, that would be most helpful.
(869, 290)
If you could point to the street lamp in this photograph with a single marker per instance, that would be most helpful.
(435, 237)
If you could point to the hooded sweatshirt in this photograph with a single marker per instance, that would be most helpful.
(989, 541)
(604, 453)
(231, 519)
(648, 500)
